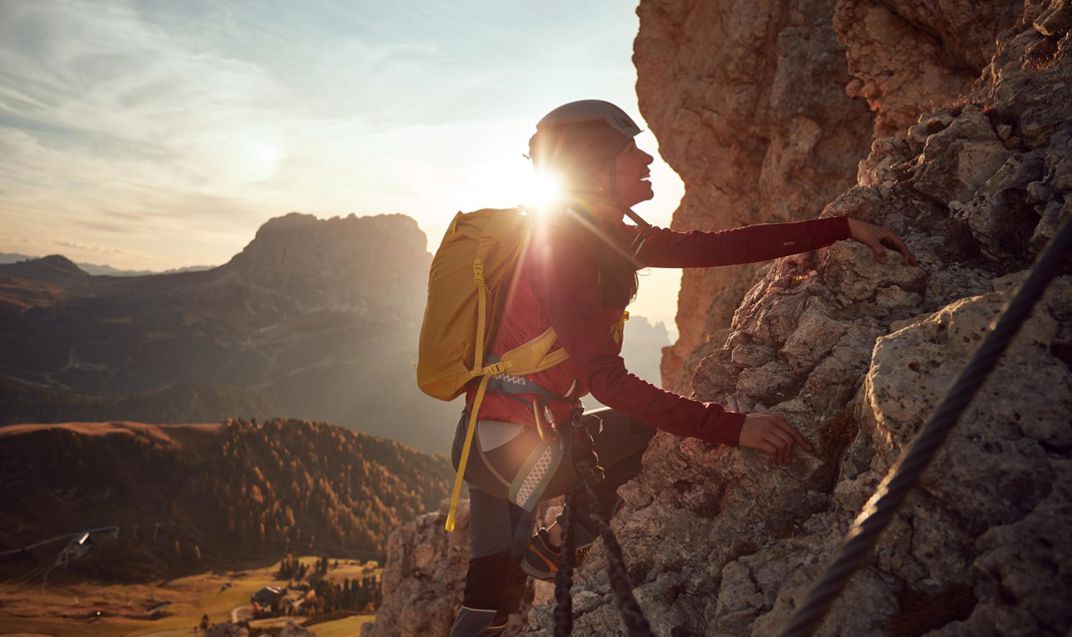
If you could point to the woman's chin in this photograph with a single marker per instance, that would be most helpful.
(642, 194)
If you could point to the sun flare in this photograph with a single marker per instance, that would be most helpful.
(513, 185)
(544, 189)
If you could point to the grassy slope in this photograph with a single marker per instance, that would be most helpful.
(69, 608)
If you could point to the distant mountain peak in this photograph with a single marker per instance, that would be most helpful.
(60, 262)
(346, 261)
(54, 268)
(288, 221)
(296, 221)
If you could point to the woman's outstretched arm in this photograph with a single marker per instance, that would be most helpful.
(664, 248)
(571, 298)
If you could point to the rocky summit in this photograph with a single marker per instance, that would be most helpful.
(367, 264)
(950, 123)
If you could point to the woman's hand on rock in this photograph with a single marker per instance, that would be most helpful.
(878, 239)
(772, 435)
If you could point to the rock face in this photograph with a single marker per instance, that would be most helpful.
(748, 102)
(853, 352)
(857, 353)
(424, 577)
(910, 55)
(367, 264)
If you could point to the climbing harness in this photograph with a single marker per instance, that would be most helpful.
(890, 494)
(580, 453)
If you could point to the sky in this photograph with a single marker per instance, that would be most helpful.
(160, 134)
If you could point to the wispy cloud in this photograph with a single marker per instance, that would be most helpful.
(168, 132)
(96, 78)
(85, 248)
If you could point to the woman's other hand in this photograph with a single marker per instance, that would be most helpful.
(772, 435)
(878, 239)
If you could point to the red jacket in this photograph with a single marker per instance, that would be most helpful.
(558, 285)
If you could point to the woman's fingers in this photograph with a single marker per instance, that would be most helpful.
(796, 435)
(878, 238)
(897, 244)
(783, 441)
(772, 435)
(876, 249)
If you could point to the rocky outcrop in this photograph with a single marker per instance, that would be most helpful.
(748, 102)
(857, 353)
(424, 577)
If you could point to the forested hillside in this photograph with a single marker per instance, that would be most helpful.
(190, 496)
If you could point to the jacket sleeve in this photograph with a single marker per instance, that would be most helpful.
(571, 299)
(664, 248)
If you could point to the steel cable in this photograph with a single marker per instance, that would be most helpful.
(891, 493)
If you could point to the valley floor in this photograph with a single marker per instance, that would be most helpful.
(69, 608)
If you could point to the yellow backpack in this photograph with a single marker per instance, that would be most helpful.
(467, 286)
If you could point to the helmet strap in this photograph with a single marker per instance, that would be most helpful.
(637, 219)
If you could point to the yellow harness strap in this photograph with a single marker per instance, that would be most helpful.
(457, 490)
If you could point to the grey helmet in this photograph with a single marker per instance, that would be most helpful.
(588, 111)
(580, 137)
(584, 135)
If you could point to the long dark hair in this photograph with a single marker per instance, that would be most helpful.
(617, 269)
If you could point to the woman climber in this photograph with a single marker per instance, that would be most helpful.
(576, 277)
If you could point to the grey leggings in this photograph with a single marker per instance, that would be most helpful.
(506, 483)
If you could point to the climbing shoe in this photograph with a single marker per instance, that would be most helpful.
(541, 557)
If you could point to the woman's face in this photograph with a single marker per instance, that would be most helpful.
(632, 174)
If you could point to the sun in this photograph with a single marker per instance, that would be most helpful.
(543, 189)
(512, 184)
(257, 158)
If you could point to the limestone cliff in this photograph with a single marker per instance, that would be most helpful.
(368, 265)
(757, 107)
(751, 103)
(748, 102)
